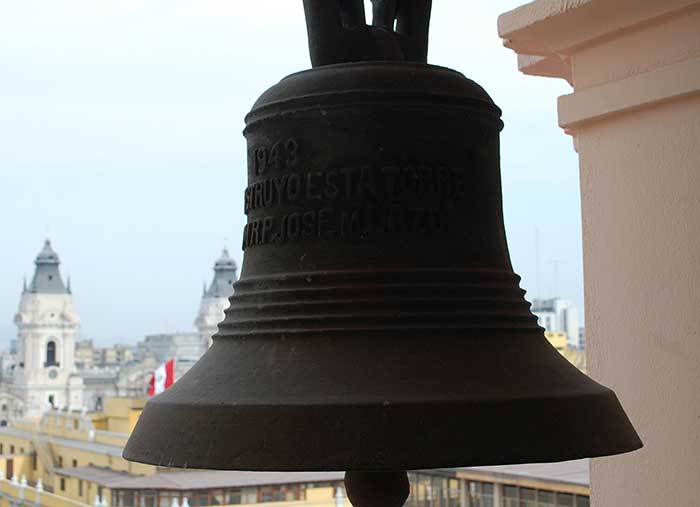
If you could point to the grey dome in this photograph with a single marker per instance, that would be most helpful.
(225, 269)
(47, 277)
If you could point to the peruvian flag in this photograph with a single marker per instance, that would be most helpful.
(162, 378)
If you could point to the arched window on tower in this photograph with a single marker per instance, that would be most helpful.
(51, 354)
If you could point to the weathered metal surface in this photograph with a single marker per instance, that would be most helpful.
(377, 324)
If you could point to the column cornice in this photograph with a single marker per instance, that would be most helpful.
(544, 33)
(667, 83)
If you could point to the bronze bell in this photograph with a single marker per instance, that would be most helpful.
(378, 324)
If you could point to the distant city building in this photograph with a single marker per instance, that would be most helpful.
(8, 361)
(129, 380)
(559, 341)
(46, 367)
(215, 297)
(84, 353)
(88, 356)
(582, 338)
(559, 316)
(185, 348)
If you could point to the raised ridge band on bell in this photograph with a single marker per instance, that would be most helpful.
(361, 300)
(376, 99)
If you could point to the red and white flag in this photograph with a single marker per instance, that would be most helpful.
(162, 378)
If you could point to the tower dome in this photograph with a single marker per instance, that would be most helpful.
(215, 297)
(47, 277)
(224, 275)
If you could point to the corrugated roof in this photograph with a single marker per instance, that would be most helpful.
(572, 472)
(103, 476)
(212, 479)
(110, 450)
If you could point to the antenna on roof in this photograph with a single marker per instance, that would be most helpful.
(537, 261)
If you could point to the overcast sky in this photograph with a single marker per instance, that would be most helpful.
(120, 137)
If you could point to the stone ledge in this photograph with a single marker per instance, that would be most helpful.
(546, 66)
(660, 85)
(553, 29)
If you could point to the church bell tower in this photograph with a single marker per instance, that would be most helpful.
(215, 297)
(46, 326)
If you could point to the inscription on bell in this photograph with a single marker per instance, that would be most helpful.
(358, 182)
(362, 223)
(354, 202)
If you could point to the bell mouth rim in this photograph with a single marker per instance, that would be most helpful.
(272, 404)
(590, 394)
(328, 448)
(611, 453)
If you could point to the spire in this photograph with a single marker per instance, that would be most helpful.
(47, 254)
(224, 275)
(68, 284)
(24, 284)
(47, 277)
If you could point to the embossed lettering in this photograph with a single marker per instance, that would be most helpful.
(313, 190)
(357, 223)
(282, 154)
(331, 189)
(293, 187)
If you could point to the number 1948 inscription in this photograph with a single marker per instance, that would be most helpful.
(281, 155)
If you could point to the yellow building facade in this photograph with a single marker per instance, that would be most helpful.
(73, 459)
(560, 341)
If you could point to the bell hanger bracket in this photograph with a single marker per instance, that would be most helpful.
(338, 32)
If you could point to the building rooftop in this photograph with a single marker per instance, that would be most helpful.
(574, 473)
(194, 479)
(106, 449)
(102, 476)
(571, 472)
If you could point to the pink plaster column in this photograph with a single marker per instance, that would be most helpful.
(634, 115)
